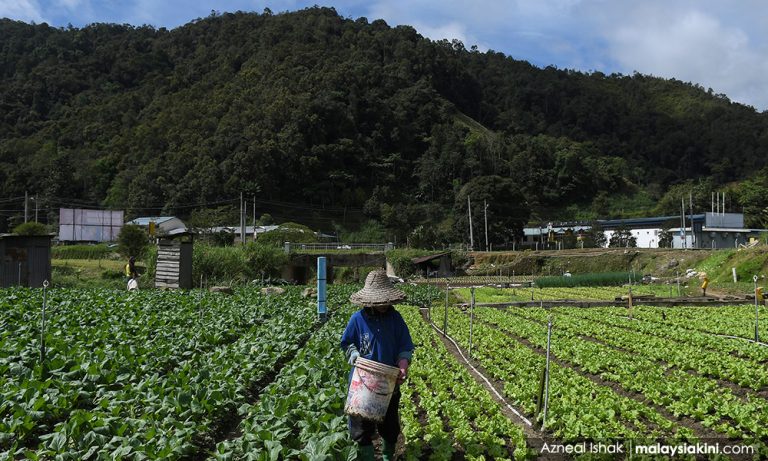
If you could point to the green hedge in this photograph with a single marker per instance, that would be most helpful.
(599, 279)
(233, 264)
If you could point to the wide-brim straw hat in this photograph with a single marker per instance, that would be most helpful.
(378, 291)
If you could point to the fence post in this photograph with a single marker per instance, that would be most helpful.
(546, 373)
(42, 329)
(445, 317)
(757, 312)
(471, 318)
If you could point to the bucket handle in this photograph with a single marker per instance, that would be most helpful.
(375, 392)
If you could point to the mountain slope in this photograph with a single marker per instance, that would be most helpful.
(346, 119)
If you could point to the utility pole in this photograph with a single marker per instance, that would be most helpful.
(254, 218)
(485, 202)
(471, 237)
(26, 206)
(682, 220)
(690, 211)
(242, 220)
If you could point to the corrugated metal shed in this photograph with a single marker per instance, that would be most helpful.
(174, 262)
(26, 260)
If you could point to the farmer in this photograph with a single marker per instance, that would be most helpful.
(704, 284)
(131, 274)
(378, 332)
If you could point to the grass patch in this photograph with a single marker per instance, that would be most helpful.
(100, 251)
(88, 273)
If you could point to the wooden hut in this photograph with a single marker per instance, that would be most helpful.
(437, 265)
(26, 260)
(174, 261)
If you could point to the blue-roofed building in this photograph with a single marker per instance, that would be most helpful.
(163, 224)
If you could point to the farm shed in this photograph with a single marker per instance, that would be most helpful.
(26, 260)
(174, 261)
(438, 265)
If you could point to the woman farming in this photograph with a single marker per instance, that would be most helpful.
(378, 332)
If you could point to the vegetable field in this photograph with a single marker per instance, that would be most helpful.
(501, 295)
(664, 375)
(196, 375)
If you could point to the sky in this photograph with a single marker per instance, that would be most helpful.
(718, 44)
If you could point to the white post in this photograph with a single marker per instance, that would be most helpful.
(546, 373)
(733, 271)
(42, 326)
(690, 211)
(757, 312)
(445, 312)
(471, 318)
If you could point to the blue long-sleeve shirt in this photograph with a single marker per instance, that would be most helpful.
(384, 338)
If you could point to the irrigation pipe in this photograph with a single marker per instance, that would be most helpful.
(721, 336)
(739, 337)
(512, 409)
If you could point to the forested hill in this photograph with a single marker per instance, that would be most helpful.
(355, 117)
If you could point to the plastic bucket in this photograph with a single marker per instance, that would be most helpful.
(371, 389)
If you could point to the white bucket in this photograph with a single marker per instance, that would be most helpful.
(371, 389)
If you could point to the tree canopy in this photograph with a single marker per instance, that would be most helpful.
(331, 121)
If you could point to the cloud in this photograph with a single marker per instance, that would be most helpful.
(21, 10)
(68, 4)
(693, 45)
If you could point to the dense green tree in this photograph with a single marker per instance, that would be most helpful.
(334, 120)
(30, 228)
(665, 238)
(622, 238)
(595, 236)
(496, 200)
(132, 241)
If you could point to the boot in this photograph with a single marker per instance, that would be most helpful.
(365, 453)
(388, 450)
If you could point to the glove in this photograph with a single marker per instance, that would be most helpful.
(403, 364)
(353, 357)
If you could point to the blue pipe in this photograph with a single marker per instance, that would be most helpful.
(321, 289)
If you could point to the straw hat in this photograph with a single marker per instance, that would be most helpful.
(378, 291)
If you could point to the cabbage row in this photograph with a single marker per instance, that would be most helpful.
(140, 375)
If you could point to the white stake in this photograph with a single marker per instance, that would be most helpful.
(757, 312)
(42, 324)
(546, 373)
(471, 319)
